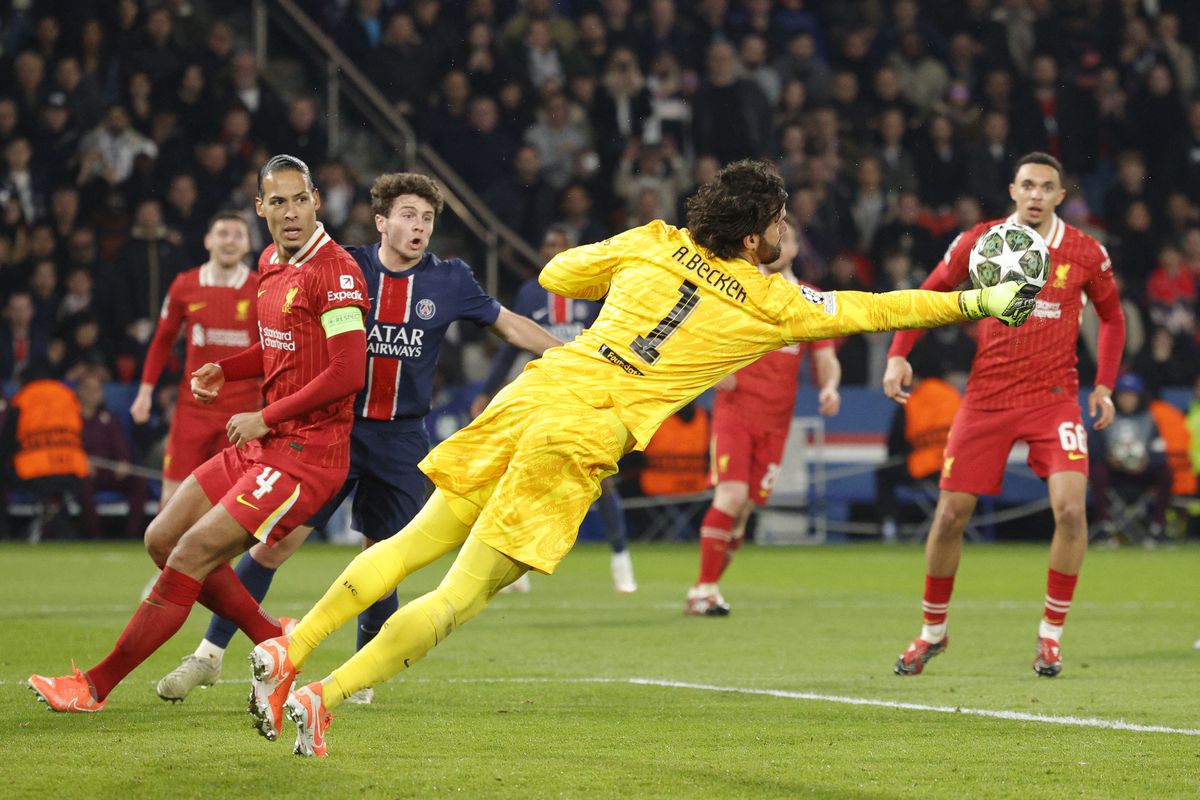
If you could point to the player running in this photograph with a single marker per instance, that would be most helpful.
(684, 309)
(1023, 386)
(415, 297)
(285, 461)
(752, 414)
(565, 318)
(215, 304)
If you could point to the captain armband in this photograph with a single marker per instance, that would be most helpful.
(342, 320)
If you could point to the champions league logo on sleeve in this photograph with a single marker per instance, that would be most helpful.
(426, 309)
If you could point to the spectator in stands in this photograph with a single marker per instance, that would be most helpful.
(988, 165)
(653, 168)
(81, 94)
(725, 96)
(338, 190)
(248, 88)
(1171, 293)
(577, 220)
(182, 214)
(802, 62)
(78, 295)
(537, 60)
(899, 167)
(941, 164)
(903, 232)
(753, 52)
(445, 125)
(486, 155)
(870, 204)
(23, 180)
(1129, 456)
(104, 438)
(148, 263)
(86, 352)
(360, 30)
(663, 32)
(401, 65)
(559, 29)
(43, 289)
(10, 120)
(138, 88)
(20, 340)
(215, 56)
(30, 89)
(304, 135)
(1167, 360)
(108, 151)
(1159, 113)
(524, 201)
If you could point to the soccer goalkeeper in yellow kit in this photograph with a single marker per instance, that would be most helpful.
(683, 309)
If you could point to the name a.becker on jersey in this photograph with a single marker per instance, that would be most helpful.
(709, 274)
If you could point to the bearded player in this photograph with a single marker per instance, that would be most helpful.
(215, 305)
(684, 308)
(285, 461)
(752, 413)
(1023, 386)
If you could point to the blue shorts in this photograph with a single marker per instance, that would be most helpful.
(383, 468)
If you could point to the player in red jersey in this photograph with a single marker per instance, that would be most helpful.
(751, 417)
(215, 305)
(1023, 386)
(287, 459)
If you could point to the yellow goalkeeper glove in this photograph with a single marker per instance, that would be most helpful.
(1011, 302)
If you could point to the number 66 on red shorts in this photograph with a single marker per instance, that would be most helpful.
(980, 441)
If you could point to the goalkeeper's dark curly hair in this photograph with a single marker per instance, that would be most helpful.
(744, 198)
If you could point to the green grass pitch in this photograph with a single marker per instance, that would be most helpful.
(534, 699)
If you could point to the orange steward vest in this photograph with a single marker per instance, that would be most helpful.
(49, 432)
(927, 418)
(677, 457)
(1172, 427)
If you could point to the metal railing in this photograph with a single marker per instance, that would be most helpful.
(344, 81)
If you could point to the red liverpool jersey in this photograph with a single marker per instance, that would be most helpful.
(219, 320)
(765, 393)
(1034, 364)
(291, 299)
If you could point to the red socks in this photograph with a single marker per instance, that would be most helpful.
(223, 593)
(715, 533)
(157, 619)
(1060, 589)
(936, 601)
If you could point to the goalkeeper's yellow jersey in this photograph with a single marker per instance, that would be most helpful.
(676, 320)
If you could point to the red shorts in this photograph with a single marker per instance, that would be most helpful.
(195, 437)
(267, 501)
(750, 455)
(980, 441)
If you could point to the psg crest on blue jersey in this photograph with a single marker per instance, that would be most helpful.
(426, 309)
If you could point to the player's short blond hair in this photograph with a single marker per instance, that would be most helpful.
(390, 185)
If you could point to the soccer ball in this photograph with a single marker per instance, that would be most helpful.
(1009, 251)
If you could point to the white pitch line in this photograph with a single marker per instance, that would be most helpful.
(1016, 716)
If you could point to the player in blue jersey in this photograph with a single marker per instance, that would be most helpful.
(415, 296)
(564, 318)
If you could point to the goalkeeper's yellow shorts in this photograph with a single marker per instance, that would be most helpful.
(524, 473)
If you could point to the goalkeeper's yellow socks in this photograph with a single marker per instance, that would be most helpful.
(373, 573)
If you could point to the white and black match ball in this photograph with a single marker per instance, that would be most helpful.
(1009, 251)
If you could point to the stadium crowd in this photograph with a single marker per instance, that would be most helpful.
(125, 126)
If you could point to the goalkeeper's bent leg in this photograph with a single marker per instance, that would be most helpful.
(478, 573)
(374, 572)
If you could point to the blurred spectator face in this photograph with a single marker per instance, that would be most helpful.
(886, 84)
(591, 31)
(8, 116)
(182, 194)
(19, 310)
(55, 118)
(662, 14)
(456, 87)
(484, 116)
(538, 37)
(802, 47)
(140, 86)
(788, 248)
(583, 89)
(897, 266)
(227, 242)
(79, 283)
(912, 47)
(81, 246)
(211, 157)
(855, 45)
(576, 202)
(44, 280)
(511, 96)
(47, 32)
(302, 114)
(825, 125)
(1137, 217)
(191, 82)
(67, 74)
(64, 203)
(90, 392)
(869, 177)
(1167, 27)
(556, 110)
(553, 243)
(892, 127)
(908, 208)
(220, 39)
(997, 86)
(941, 130)
(803, 204)
(995, 128)
(795, 95)
(722, 64)
(87, 334)
(479, 35)
(163, 126)
(791, 141)
(1170, 259)
(91, 35)
(705, 169)
(401, 30)
(116, 120)
(29, 69)
(841, 269)
(962, 47)
(158, 27)
(17, 155)
(538, 9)
(616, 9)
(844, 87)
(1131, 172)
(1137, 33)
(41, 242)
(967, 213)
(243, 71)
(527, 164)
(753, 51)
(148, 216)
(1159, 82)
(237, 123)
(1044, 72)
(646, 206)
(426, 12)
(407, 227)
